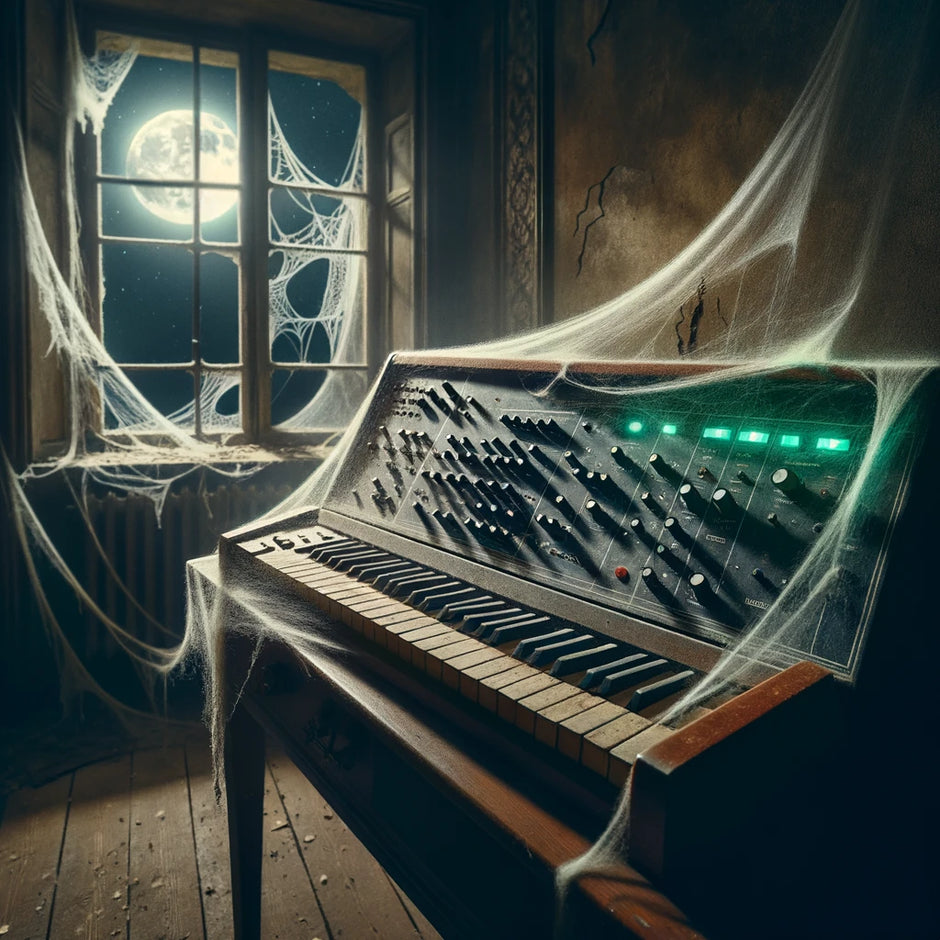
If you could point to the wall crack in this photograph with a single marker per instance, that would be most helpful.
(600, 186)
(601, 23)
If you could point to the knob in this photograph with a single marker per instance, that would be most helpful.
(649, 576)
(550, 523)
(666, 555)
(661, 466)
(744, 477)
(672, 527)
(621, 573)
(599, 482)
(636, 526)
(620, 456)
(691, 497)
(724, 501)
(648, 499)
(701, 588)
(760, 576)
(786, 481)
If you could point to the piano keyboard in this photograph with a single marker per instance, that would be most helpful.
(593, 700)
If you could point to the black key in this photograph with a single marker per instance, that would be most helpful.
(627, 677)
(577, 662)
(381, 581)
(421, 592)
(461, 608)
(485, 628)
(529, 644)
(515, 631)
(342, 548)
(395, 581)
(323, 552)
(472, 621)
(658, 690)
(543, 655)
(408, 586)
(598, 673)
(342, 558)
(344, 564)
(373, 571)
(383, 558)
(434, 602)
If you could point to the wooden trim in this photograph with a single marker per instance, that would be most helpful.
(666, 368)
(775, 729)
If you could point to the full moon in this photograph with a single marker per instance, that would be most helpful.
(163, 149)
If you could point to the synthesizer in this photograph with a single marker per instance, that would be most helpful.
(574, 550)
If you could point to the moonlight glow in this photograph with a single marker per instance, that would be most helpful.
(163, 150)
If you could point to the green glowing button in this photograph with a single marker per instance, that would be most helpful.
(634, 427)
(789, 440)
(832, 443)
(669, 429)
(717, 434)
(753, 437)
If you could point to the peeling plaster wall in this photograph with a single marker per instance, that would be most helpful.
(662, 109)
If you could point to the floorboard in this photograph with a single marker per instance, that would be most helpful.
(289, 905)
(91, 891)
(164, 882)
(356, 894)
(30, 842)
(210, 827)
(137, 848)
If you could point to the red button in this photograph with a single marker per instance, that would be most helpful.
(621, 573)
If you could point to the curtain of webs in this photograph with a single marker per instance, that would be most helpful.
(135, 427)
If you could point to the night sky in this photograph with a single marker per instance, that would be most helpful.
(147, 308)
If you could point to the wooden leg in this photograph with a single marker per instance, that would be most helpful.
(244, 797)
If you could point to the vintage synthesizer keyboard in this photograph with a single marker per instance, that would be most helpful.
(571, 555)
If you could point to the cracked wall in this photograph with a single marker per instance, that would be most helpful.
(661, 111)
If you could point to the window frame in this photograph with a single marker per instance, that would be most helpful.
(256, 366)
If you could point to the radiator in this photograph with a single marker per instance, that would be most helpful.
(149, 559)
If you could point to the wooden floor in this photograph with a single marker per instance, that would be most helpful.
(136, 848)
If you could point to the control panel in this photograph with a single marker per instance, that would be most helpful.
(685, 497)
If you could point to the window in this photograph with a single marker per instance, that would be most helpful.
(234, 280)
